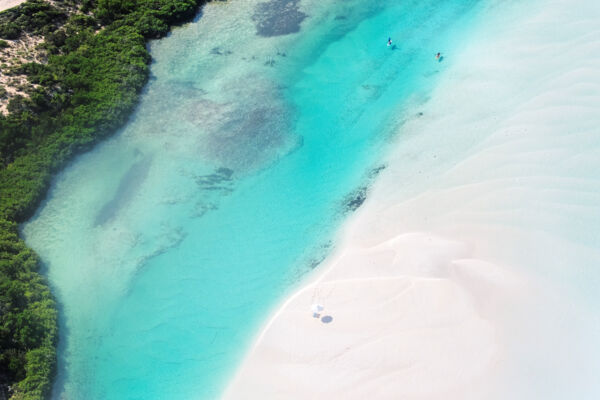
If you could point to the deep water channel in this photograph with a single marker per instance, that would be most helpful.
(169, 244)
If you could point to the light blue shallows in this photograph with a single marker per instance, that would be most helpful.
(169, 244)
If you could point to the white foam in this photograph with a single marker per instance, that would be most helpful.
(471, 270)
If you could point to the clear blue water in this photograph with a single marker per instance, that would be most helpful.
(169, 244)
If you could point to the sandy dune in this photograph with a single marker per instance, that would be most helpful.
(470, 272)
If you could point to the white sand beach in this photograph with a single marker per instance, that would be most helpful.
(6, 4)
(471, 270)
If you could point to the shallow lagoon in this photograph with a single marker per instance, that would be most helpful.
(169, 244)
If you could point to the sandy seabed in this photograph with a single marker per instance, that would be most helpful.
(470, 271)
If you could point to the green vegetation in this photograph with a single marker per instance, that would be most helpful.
(28, 318)
(36, 17)
(97, 64)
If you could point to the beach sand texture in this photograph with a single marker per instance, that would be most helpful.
(6, 4)
(470, 271)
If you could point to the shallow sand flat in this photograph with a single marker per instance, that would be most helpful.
(470, 271)
(222, 188)
(6, 4)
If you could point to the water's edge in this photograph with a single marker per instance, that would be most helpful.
(225, 188)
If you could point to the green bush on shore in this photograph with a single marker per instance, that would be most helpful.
(86, 91)
(33, 16)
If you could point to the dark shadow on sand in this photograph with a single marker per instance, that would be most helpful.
(128, 187)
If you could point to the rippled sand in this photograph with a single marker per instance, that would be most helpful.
(471, 271)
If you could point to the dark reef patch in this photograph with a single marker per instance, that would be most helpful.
(375, 171)
(220, 52)
(278, 17)
(355, 199)
(128, 186)
(213, 185)
(311, 260)
(249, 129)
(202, 208)
(249, 138)
(321, 254)
(219, 180)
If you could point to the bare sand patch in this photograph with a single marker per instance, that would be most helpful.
(470, 270)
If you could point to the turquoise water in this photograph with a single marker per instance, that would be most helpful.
(169, 244)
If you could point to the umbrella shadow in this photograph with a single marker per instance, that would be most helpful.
(327, 319)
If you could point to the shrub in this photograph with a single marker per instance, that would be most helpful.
(86, 91)
(33, 16)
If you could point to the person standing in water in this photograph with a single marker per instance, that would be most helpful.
(389, 41)
(438, 56)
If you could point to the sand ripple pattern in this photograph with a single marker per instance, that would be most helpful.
(471, 270)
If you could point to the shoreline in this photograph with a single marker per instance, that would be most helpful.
(70, 224)
(28, 171)
(458, 249)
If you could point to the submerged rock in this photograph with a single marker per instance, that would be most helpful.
(355, 199)
(277, 17)
(219, 180)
